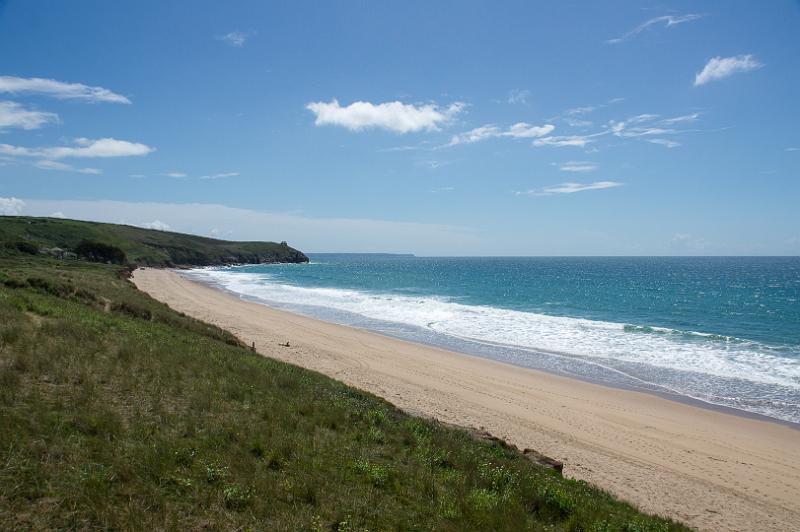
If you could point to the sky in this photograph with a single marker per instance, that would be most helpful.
(434, 128)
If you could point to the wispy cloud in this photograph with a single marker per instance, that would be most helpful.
(520, 130)
(236, 38)
(792, 149)
(639, 126)
(14, 115)
(523, 130)
(667, 21)
(681, 119)
(64, 167)
(432, 164)
(519, 96)
(89, 148)
(175, 174)
(11, 206)
(392, 116)
(222, 175)
(576, 111)
(569, 188)
(442, 189)
(721, 67)
(576, 166)
(476, 135)
(399, 148)
(578, 141)
(665, 142)
(59, 89)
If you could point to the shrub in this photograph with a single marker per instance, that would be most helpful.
(100, 252)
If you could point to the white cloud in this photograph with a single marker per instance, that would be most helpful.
(665, 142)
(523, 130)
(686, 241)
(57, 214)
(13, 114)
(88, 148)
(520, 130)
(681, 119)
(137, 176)
(518, 96)
(393, 116)
(722, 67)
(575, 111)
(305, 233)
(158, 225)
(668, 20)
(475, 135)
(236, 38)
(63, 167)
(792, 149)
(221, 175)
(174, 174)
(574, 122)
(577, 166)
(59, 89)
(621, 129)
(569, 188)
(568, 140)
(11, 206)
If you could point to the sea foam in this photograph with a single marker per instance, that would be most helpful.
(717, 369)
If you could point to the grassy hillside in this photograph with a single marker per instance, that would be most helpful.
(140, 246)
(119, 413)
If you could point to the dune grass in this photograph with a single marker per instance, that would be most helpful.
(118, 413)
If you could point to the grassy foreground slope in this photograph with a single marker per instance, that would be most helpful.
(141, 246)
(119, 413)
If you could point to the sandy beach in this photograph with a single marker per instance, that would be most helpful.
(709, 469)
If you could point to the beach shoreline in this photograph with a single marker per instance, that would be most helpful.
(711, 469)
(463, 350)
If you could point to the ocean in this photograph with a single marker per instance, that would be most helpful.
(721, 330)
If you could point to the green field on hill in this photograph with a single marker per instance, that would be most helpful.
(140, 246)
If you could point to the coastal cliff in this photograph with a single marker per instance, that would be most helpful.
(125, 244)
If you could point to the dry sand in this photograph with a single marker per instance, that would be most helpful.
(709, 469)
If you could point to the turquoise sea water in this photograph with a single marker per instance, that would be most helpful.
(721, 330)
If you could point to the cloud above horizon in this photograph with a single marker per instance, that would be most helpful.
(392, 116)
(569, 188)
(722, 67)
(306, 233)
(668, 21)
(83, 148)
(11, 206)
(14, 115)
(59, 90)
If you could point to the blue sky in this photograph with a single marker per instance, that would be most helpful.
(454, 128)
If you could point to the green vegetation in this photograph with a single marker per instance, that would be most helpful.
(124, 243)
(119, 413)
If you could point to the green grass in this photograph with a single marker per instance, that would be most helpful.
(141, 246)
(118, 413)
